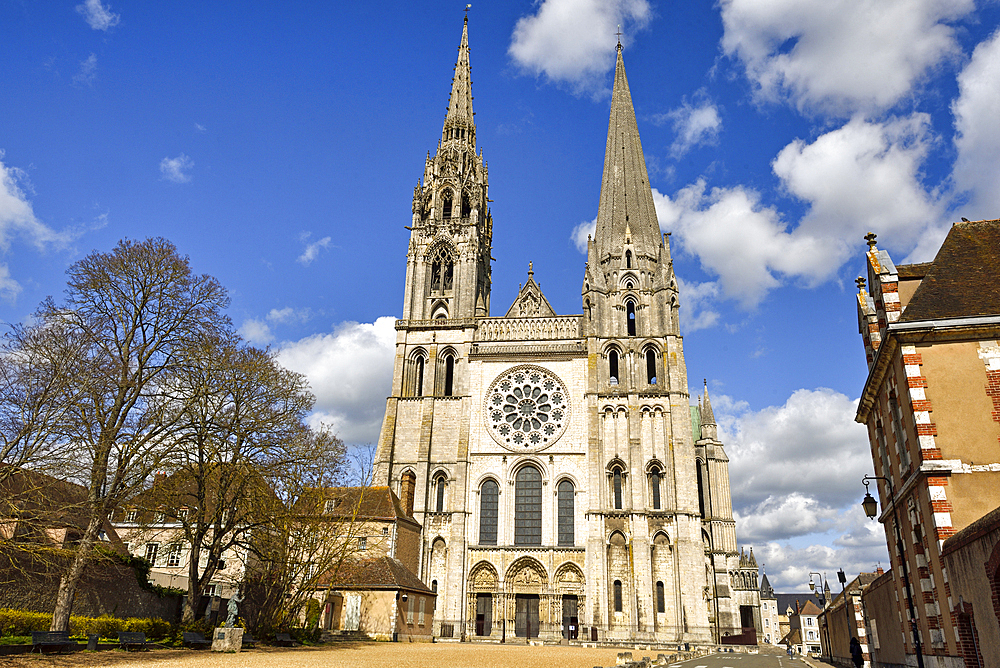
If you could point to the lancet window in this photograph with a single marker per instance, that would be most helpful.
(565, 504)
(630, 317)
(489, 504)
(528, 507)
(442, 271)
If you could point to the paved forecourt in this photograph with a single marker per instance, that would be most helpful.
(387, 655)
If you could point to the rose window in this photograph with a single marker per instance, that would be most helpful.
(527, 408)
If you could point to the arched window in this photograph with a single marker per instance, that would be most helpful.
(654, 485)
(628, 259)
(566, 494)
(446, 205)
(630, 315)
(419, 380)
(613, 367)
(616, 487)
(661, 602)
(466, 206)
(439, 485)
(442, 271)
(651, 366)
(618, 595)
(489, 503)
(449, 375)
(528, 507)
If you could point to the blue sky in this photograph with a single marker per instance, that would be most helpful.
(277, 144)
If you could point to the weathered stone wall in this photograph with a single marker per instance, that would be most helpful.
(29, 582)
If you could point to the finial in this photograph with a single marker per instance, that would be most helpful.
(870, 238)
(860, 282)
(467, 8)
(619, 33)
(531, 271)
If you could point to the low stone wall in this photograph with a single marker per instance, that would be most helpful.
(29, 580)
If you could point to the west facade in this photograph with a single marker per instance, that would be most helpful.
(564, 483)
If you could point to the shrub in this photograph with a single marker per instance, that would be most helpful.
(23, 622)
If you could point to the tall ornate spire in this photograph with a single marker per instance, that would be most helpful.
(459, 123)
(626, 207)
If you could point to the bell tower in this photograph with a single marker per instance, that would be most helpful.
(448, 261)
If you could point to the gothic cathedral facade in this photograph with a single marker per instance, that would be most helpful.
(565, 485)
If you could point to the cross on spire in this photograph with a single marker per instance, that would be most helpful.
(467, 8)
(619, 33)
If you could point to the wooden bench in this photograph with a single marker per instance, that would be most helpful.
(284, 640)
(196, 640)
(42, 639)
(129, 640)
(249, 641)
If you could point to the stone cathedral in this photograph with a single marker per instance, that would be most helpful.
(565, 485)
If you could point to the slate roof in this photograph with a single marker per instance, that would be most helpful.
(795, 601)
(361, 503)
(378, 573)
(961, 282)
(766, 591)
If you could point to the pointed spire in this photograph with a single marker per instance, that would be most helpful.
(626, 205)
(459, 123)
(707, 416)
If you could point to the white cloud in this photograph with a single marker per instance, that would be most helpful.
(18, 220)
(695, 299)
(97, 15)
(312, 250)
(581, 233)
(860, 177)
(840, 56)
(199, 127)
(289, 314)
(87, 73)
(174, 169)
(694, 124)
(573, 41)
(350, 372)
(977, 171)
(256, 332)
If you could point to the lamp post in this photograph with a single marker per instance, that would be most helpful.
(871, 510)
(812, 585)
(826, 606)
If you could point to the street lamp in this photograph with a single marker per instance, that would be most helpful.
(812, 585)
(871, 510)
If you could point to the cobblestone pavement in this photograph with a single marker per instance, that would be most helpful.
(342, 655)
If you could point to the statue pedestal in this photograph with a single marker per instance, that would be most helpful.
(227, 640)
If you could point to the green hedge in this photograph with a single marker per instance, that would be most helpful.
(22, 622)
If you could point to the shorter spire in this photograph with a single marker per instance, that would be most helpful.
(707, 416)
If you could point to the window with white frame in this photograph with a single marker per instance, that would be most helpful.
(151, 550)
(132, 515)
(362, 542)
(174, 556)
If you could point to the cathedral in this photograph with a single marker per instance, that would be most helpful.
(565, 485)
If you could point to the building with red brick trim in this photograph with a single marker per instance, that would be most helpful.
(931, 404)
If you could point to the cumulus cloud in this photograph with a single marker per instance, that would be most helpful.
(795, 475)
(18, 220)
(840, 56)
(977, 138)
(256, 332)
(350, 372)
(776, 450)
(175, 169)
(573, 41)
(312, 250)
(581, 233)
(859, 177)
(289, 314)
(694, 123)
(87, 73)
(97, 15)
(696, 301)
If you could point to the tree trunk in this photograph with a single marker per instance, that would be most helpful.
(194, 587)
(71, 578)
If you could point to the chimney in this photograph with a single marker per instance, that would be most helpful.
(407, 487)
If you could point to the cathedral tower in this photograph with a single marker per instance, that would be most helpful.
(448, 262)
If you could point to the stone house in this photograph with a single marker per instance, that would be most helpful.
(564, 483)
(931, 404)
(771, 633)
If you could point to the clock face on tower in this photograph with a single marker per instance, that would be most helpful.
(527, 408)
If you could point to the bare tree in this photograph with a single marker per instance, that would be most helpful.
(129, 323)
(242, 436)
